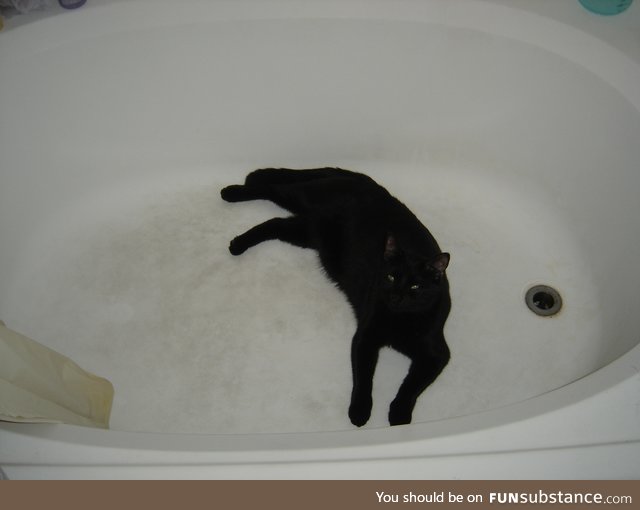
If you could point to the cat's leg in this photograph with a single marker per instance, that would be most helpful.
(298, 191)
(241, 193)
(264, 184)
(422, 372)
(276, 176)
(291, 230)
(296, 198)
(364, 358)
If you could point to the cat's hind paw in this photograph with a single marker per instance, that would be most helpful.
(237, 247)
(233, 193)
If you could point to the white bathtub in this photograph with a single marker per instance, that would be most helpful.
(510, 128)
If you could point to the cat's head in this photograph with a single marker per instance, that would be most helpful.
(411, 282)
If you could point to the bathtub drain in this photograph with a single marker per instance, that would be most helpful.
(543, 300)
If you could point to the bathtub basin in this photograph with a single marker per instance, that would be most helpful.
(512, 134)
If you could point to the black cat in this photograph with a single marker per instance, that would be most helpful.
(379, 254)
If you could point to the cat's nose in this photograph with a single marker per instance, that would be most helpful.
(397, 299)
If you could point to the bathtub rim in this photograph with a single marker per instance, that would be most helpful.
(493, 430)
(616, 62)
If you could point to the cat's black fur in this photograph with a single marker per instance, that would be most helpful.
(378, 253)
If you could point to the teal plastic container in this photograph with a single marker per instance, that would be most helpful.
(606, 7)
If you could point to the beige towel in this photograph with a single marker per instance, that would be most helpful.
(39, 385)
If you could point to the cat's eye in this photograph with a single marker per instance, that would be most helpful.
(391, 278)
(415, 287)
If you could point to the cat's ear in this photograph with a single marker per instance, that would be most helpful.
(390, 247)
(441, 262)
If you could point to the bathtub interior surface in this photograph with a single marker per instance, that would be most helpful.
(519, 161)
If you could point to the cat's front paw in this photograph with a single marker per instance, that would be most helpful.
(400, 413)
(360, 412)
